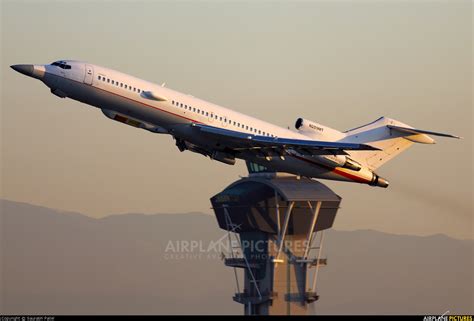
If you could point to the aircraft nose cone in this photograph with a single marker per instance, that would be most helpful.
(24, 69)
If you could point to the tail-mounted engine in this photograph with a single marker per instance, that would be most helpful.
(338, 161)
(317, 131)
(324, 133)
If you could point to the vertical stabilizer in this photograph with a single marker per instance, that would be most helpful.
(391, 142)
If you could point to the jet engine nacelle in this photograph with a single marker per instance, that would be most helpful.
(317, 131)
(133, 122)
(338, 161)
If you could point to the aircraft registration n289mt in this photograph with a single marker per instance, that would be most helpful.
(312, 150)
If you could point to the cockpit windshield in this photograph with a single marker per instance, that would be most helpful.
(61, 64)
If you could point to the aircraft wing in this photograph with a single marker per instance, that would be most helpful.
(239, 141)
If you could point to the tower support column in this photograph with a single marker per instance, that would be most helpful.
(278, 255)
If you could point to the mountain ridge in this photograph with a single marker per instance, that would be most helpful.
(68, 263)
(129, 214)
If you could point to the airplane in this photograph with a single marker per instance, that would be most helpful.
(312, 150)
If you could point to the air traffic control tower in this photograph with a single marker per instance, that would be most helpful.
(276, 224)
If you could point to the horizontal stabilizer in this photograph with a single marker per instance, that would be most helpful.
(415, 131)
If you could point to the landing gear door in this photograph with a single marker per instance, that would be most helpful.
(89, 75)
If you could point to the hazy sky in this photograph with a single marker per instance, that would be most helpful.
(342, 64)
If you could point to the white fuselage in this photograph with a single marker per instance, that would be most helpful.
(163, 110)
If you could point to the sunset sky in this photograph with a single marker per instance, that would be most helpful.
(342, 64)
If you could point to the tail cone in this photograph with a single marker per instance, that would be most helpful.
(379, 181)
